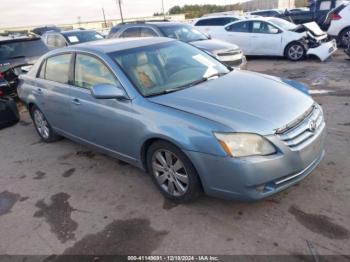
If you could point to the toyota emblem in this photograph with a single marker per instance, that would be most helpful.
(312, 126)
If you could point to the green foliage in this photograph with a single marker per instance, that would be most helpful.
(193, 11)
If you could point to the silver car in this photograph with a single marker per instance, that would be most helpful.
(173, 110)
(228, 53)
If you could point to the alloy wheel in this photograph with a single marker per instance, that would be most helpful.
(296, 52)
(170, 172)
(41, 124)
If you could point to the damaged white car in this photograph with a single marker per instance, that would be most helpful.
(270, 36)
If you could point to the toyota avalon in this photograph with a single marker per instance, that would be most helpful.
(178, 113)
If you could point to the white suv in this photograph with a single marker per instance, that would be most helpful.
(339, 23)
(209, 23)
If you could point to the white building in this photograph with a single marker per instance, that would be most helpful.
(267, 4)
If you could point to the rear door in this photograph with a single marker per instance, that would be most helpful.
(52, 90)
(237, 33)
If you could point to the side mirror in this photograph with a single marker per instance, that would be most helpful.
(107, 91)
(208, 36)
(274, 31)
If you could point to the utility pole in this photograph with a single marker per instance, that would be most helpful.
(163, 9)
(119, 2)
(104, 17)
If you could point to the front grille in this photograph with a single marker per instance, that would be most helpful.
(297, 134)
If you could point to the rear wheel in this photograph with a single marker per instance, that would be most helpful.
(344, 37)
(172, 172)
(295, 51)
(42, 126)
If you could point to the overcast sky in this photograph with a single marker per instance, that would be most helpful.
(36, 12)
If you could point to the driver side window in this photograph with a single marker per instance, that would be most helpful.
(260, 27)
(90, 71)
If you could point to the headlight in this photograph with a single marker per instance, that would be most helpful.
(245, 144)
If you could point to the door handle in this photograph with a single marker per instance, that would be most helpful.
(76, 101)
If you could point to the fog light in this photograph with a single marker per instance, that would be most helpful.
(260, 189)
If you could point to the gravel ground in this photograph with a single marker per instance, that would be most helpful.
(63, 198)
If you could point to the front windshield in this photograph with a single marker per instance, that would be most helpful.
(82, 37)
(167, 67)
(283, 24)
(183, 33)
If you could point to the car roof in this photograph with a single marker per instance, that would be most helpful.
(218, 16)
(153, 23)
(117, 44)
(259, 18)
(267, 10)
(67, 32)
(76, 31)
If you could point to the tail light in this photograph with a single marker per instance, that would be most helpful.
(1, 75)
(1, 93)
(335, 16)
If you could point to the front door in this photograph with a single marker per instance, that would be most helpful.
(266, 39)
(102, 122)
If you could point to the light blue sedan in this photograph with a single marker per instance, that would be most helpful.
(178, 113)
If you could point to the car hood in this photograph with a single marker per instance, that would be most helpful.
(214, 46)
(241, 100)
(314, 28)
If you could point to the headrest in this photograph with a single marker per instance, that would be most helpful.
(142, 59)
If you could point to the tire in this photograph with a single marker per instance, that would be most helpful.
(295, 51)
(344, 37)
(42, 126)
(173, 173)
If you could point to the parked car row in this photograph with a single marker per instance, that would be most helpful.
(228, 53)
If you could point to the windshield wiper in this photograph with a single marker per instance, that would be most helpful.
(197, 82)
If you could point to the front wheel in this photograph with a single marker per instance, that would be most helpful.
(172, 172)
(295, 51)
(42, 126)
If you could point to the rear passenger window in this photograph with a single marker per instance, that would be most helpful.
(50, 41)
(242, 27)
(131, 32)
(147, 32)
(90, 71)
(57, 68)
(325, 5)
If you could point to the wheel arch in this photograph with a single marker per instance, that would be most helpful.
(151, 140)
(146, 145)
(341, 32)
(300, 42)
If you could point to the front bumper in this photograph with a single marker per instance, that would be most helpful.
(323, 51)
(254, 178)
